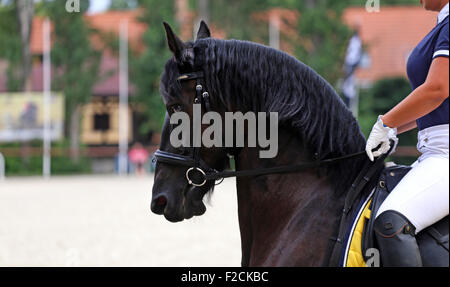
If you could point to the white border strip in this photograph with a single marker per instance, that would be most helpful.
(344, 263)
(2, 167)
(440, 53)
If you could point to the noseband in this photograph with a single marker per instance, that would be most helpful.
(192, 164)
(195, 164)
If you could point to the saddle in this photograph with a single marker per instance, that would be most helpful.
(356, 245)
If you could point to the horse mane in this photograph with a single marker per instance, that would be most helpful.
(247, 76)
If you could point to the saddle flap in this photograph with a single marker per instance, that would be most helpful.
(387, 181)
(433, 244)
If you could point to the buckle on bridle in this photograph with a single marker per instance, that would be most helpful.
(193, 183)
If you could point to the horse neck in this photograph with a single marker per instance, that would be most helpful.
(288, 219)
(284, 219)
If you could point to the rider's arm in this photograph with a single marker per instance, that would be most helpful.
(424, 99)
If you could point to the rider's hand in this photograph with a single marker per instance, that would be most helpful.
(380, 134)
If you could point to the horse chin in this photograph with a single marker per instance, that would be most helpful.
(174, 217)
(200, 209)
(193, 202)
(190, 205)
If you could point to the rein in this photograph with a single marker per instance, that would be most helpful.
(210, 174)
(280, 169)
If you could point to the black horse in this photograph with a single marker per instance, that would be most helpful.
(285, 219)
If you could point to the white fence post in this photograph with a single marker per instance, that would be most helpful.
(46, 158)
(2, 167)
(274, 31)
(123, 100)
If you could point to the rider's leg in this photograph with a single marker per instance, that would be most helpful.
(396, 240)
(419, 200)
(423, 194)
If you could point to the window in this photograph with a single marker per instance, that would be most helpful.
(101, 122)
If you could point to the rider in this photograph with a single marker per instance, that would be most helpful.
(422, 196)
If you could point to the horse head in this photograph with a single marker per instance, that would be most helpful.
(232, 76)
(179, 188)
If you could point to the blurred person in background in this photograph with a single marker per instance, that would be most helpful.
(422, 196)
(138, 157)
(352, 60)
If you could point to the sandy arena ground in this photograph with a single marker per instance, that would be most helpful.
(106, 221)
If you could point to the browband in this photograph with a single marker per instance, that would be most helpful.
(174, 159)
(190, 76)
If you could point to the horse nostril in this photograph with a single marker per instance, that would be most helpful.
(159, 204)
(161, 201)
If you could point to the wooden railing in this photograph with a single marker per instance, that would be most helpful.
(92, 152)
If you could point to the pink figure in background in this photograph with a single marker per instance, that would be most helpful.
(138, 156)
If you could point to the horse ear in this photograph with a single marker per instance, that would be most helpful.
(203, 31)
(175, 44)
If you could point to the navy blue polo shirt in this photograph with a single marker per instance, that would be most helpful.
(435, 44)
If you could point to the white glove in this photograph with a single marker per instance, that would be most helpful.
(380, 134)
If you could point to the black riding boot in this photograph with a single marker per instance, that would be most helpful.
(396, 239)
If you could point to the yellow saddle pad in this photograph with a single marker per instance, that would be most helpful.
(353, 256)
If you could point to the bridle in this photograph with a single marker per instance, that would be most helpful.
(195, 164)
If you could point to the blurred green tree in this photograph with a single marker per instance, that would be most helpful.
(323, 37)
(379, 99)
(10, 44)
(235, 17)
(123, 4)
(25, 13)
(19, 17)
(390, 2)
(146, 67)
(77, 62)
(15, 32)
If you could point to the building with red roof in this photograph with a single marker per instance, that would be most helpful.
(389, 36)
(100, 116)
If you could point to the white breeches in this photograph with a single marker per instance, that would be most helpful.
(423, 194)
